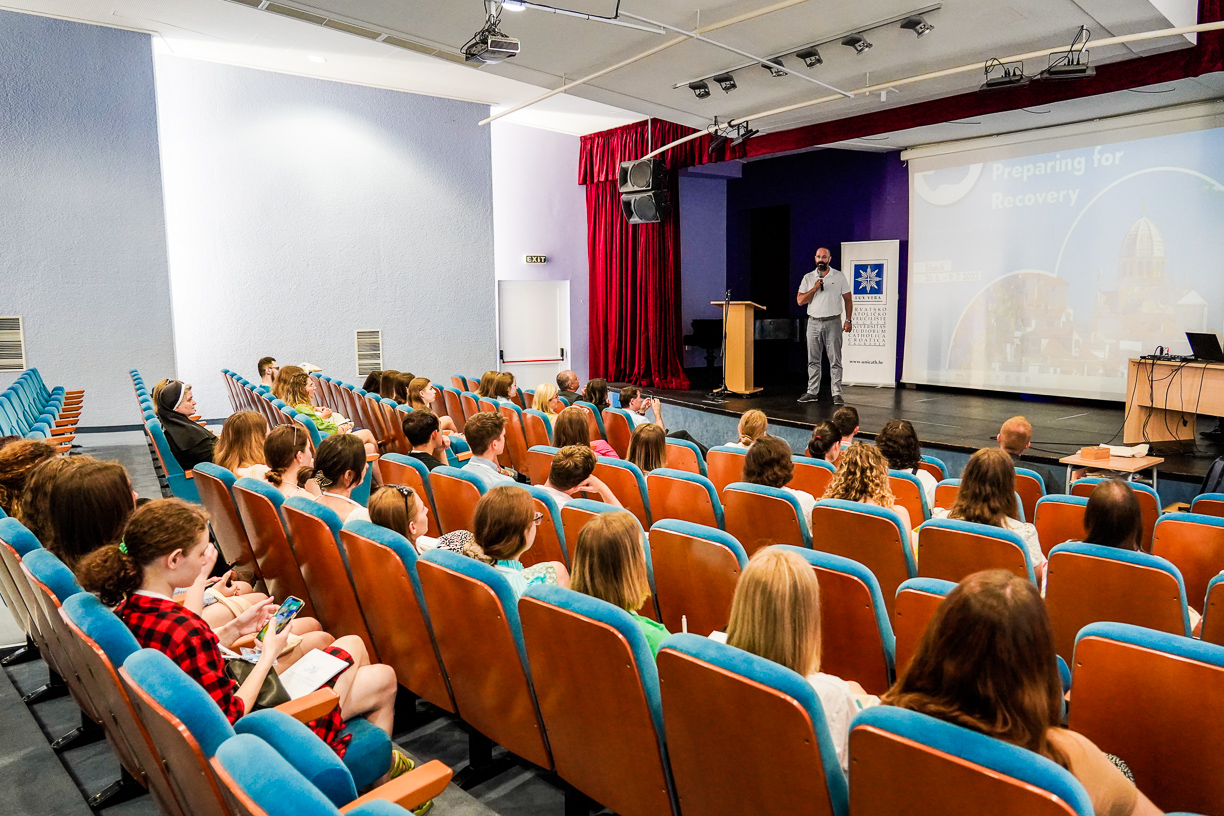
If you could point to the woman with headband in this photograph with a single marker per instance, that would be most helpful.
(190, 442)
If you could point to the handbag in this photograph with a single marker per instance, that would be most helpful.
(271, 694)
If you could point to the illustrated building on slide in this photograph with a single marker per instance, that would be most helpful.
(1023, 325)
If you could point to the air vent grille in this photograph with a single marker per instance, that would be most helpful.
(369, 351)
(12, 344)
(349, 28)
(297, 14)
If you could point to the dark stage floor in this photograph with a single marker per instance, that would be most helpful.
(960, 421)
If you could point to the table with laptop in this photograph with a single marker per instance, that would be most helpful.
(1165, 393)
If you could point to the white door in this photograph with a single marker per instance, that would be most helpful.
(533, 329)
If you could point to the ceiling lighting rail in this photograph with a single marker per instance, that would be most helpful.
(770, 64)
(960, 69)
(836, 38)
(730, 21)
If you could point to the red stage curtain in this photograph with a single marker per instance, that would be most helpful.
(635, 331)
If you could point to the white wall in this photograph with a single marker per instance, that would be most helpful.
(539, 208)
(82, 240)
(300, 210)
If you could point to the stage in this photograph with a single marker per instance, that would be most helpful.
(957, 421)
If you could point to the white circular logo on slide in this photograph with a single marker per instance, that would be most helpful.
(944, 194)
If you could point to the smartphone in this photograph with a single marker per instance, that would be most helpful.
(288, 610)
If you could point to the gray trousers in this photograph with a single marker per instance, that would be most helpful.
(824, 336)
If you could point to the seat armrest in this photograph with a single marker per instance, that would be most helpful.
(411, 790)
(312, 706)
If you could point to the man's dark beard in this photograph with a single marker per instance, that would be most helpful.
(821, 265)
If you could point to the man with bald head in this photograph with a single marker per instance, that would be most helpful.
(567, 386)
(1015, 437)
(824, 291)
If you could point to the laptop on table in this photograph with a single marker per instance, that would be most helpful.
(1205, 346)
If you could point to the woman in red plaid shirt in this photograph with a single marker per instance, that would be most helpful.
(166, 546)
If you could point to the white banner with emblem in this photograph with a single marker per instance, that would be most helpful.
(869, 353)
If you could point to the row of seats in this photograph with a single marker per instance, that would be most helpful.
(30, 410)
(164, 727)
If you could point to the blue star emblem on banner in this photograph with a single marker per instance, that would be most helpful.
(869, 281)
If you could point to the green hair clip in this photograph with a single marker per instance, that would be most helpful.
(123, 547)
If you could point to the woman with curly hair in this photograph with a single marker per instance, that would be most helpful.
(987, 495)
(899, 444)
(862, 476)
(17, 460)
(769, 463)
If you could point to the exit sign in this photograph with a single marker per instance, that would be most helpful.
(537, 259)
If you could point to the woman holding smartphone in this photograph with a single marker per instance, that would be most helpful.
(165, 546)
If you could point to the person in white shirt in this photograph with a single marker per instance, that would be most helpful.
(899, 443)
(485, 433)
(636, 405)
(775, 614)
(769, 462)
(824, 290)
(571, 472)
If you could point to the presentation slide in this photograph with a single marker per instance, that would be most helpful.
(1044, 273)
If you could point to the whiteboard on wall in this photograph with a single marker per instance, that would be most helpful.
(869, 351)
(533, 329)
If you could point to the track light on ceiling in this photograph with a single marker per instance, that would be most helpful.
(775, 69)
(858, 42)
(918, 25)
(700, 89)
(726, 82)
(811, 57)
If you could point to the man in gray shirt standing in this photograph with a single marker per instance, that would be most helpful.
(823, 291)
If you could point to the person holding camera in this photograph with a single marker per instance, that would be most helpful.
(638, 404)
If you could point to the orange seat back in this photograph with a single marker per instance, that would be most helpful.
(624, 484)
(1209, 507)
(952, 554)
(1195, 545)
(548, 545)
(573, 519)
(470, 407)
(1158, 701)
(458, 382)
(455, 500)
(757, 520)
(1030, 492)
(535, 431)
(933, 469)
(863, 536)
(618, 431)
(680, 499)
(270, 546)
(1083, 588)
(226, 526)
(454, 409)
(724, 467)
(478, 649)
(695, 575)
(1057, 521)
(539, 462)
(396, 473)
(912, 611)
(394, 616)
(393, 422)
(327, 579)
(516, 441)
(946, 493)
(1213, 614)
(682, 457)
(811, 478)
(851, 646)
(908, 494)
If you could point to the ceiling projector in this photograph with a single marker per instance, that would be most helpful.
(490, 49)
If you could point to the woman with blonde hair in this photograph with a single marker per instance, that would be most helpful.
(610, 564)
(240, 447)
(571, 428)
(297, 389)
(421, 396)
(987, 495)
(401, 509)
(290, 462)
(775, 614)
(986, 662)
(546, 400)
(769, 462)
(648, 447)
(862, 476)
(752, 426)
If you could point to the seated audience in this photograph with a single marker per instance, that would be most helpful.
(268, 369)
(504, 527)
(88, 506)
(825, 442)
(421, 396)
(1112, 517)
(596, 393)
(846, 420)
(34, 510)
(386, 384)
(1015, 437)
(899, 444)
(190, 443)
(572, 428)
(399, 389)
(485, 433)
(166, 546)
(987, 495)
(546, 400)
(340, 465)
(373, 382)
(485, 387)
(423, 430)
(636, 405)
(505, 387)
(16, 462)
(775, 614)
(567, 386)
(610, 564)
(768, 462)
(297, 389)
(570, 473)
(240, 447)
(752, 426)
(648, 448)
(399, 508)
(290, 462)
(986, 662)
(862, 476)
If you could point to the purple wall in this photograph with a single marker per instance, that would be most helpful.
(703, 252)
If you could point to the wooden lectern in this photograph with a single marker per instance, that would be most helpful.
(737, 361)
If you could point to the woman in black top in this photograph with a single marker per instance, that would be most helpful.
(190, 442)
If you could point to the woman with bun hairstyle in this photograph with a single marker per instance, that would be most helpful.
(165, 546)
(752, 426)
(290, 462)
(340, 464)
(825, 442)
